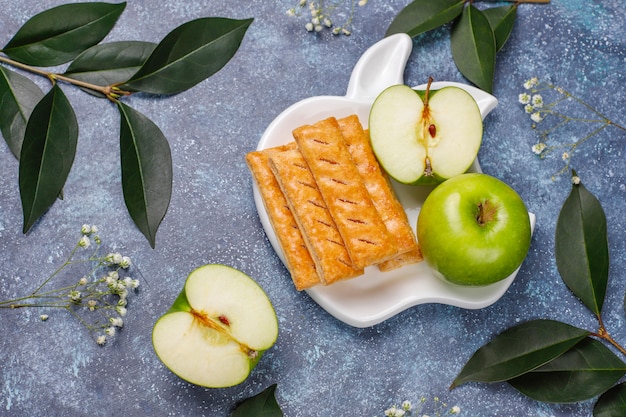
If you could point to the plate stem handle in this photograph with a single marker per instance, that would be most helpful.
(381, 66)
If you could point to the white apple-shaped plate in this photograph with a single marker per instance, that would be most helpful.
(376, 296)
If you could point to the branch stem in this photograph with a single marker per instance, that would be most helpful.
(604, 334)
(111, 92)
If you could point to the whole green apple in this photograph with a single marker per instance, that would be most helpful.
(474, 230)
(217, 329)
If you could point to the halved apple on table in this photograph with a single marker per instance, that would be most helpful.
(425, 137)
(217, 329)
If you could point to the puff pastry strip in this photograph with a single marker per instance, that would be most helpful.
(316, 225)
(381, 192)
(364, 233)
(297, 258)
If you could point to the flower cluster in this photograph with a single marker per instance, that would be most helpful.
(538, 110)
(406, 409)
(98, 299)
(320, 15)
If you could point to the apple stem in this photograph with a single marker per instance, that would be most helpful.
(427, 93)
(486, 212)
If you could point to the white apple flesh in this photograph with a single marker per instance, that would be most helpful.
(425, 137)
(217, 329)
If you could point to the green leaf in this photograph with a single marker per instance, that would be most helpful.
(18, 97)
(501, 20)
(188, 55)
(581, 247)
(518, 350)
(423, 15)
(58, 35)
(261, 405)
(47, 154)
(110, 63)
(612, 403)
(473, 47)
(581, 373)
(146, 170)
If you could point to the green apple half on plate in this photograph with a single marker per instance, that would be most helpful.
(425, 137)
(217, 329)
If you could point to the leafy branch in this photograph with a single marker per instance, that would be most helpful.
(476, 34)
(41, 129)
(552, 361)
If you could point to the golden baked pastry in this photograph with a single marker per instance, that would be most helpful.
(363, 231)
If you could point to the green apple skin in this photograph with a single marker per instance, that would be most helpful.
(217, 329)
(425, 137)
(460, 248)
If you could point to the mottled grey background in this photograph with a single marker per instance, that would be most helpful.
(322, 367)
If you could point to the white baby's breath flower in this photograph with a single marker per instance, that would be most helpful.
(531, 83)
(575, 180)
(538, 148)
(114, 275)
(75, 295)
(291, 12)
(85, 229)
(116, 321)
(565, 156)
(524, 98)
(125, 262)
(406, 405)
(309, 27)
(121, 311)
(82, 281)
(84, 242)
(110, 331)
(529, 108)
(327, 22)
(101, 340)
(455, 410)
(43, 317)
(362, 3)
(114, 258)
(536, 117)
(92, 304)
(537, 100)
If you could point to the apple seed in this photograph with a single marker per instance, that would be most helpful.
(432, 129)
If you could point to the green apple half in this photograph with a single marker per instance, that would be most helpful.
(474, 230)
(425, 137)
(217, 329)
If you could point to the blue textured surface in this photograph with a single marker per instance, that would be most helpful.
(322, 367)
